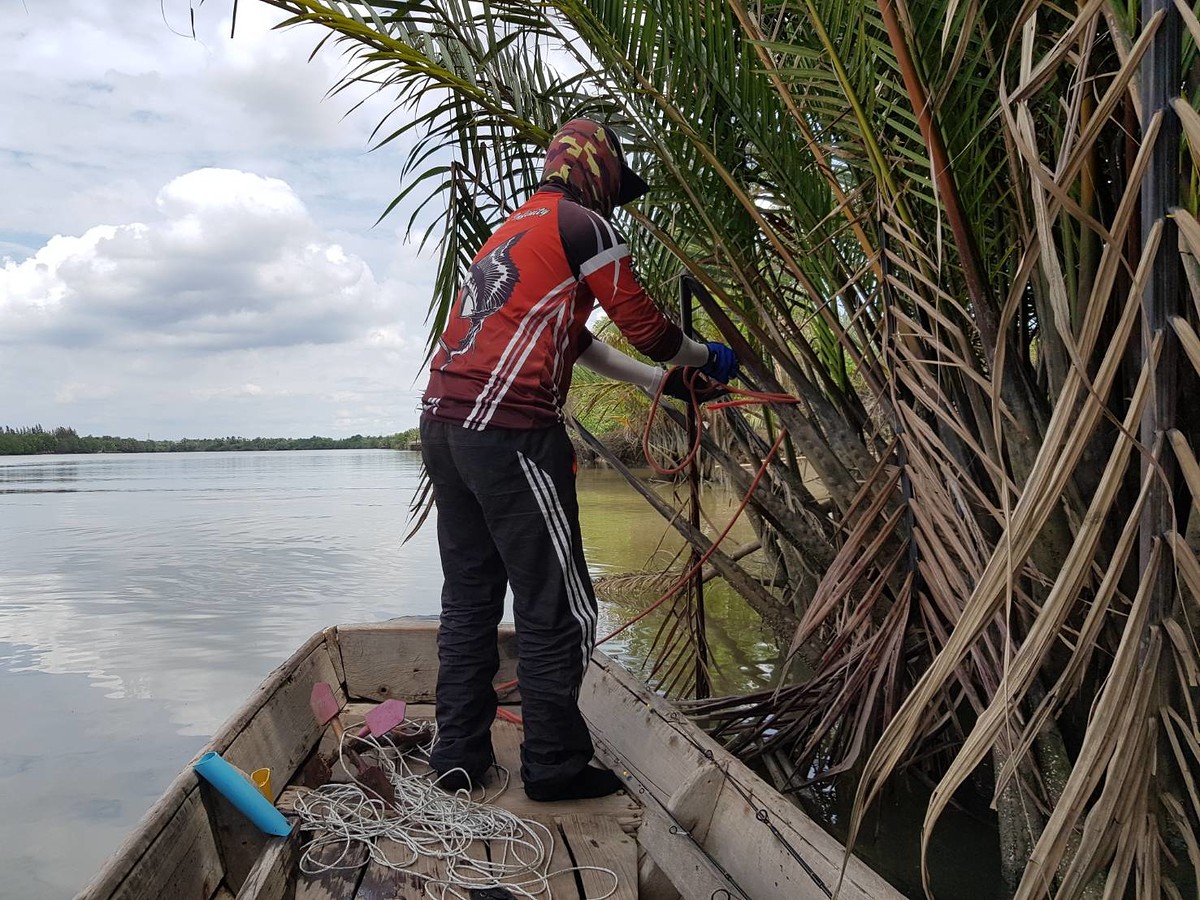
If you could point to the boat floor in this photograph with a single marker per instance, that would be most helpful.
(595, 832)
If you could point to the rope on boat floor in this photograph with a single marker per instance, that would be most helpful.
(429, 822)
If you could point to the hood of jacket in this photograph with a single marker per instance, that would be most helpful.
(585, 157)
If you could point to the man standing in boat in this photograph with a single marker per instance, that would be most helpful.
(503, 469)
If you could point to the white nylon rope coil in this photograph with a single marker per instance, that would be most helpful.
(429, 822)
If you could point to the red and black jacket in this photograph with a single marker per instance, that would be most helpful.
(518, 323)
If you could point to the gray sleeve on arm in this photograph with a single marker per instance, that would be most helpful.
(611, 363)
(691, 353)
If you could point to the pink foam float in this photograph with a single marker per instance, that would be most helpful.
(383, 718)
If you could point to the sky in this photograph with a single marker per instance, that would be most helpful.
(188, 244)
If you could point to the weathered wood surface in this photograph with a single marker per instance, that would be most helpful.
(681, 861)
(280, 734)
(704, 811)
(399, 659)
(501, 853)
(648, 741)
(238, 841)
(381, 882)
(335, 652)
(597, 843)
(121, 863)
(560, 877)
(181, 861)
(506, 742)
(272, 876)
(694, 802)
(482, 872)
(334, 884)
(144, 851)
(653, 882)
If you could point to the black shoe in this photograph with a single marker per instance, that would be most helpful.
(586, 785)
(456, 780)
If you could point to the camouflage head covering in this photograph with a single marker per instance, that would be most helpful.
(585, 156)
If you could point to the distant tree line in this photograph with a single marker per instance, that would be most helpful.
(25, 441)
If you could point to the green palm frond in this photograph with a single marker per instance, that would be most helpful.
(920, 220)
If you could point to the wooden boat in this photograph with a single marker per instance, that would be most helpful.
(694, 822)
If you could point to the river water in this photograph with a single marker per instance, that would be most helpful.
(143, 596)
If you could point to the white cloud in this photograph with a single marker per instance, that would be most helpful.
(227, 312)
(188, 244)
(233, 261)
(76, 392)
(121, 103)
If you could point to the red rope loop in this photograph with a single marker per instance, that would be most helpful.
(743, 398)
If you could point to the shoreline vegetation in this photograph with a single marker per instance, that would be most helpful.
(37, 440)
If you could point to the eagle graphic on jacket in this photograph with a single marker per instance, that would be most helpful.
(490, 282)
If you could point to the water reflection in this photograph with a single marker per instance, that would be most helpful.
(622, 535)
(78, 771)
(37, 471)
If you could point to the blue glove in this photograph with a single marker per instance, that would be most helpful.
(722, 365)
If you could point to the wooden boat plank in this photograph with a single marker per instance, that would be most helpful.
(399, 659)
(281, 733)
(136, 852)
(560, 868)
(692, 873)
(327, 747)
(333, 884)
(481, 854)
(354, 713)
(597, 842)
(506, 741)
(266, 692)
(668, 763)
(645, 739)
(133, 849)
(286, 802)
(383, 883)
(181, 861)
(272, 875)
(335, 653)
(502, 855)
(239, 842)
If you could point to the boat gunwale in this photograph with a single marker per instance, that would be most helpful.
(742, 856)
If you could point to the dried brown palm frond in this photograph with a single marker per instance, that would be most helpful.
(1005, 556)
(942, 227)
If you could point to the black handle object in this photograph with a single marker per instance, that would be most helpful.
(690, 287)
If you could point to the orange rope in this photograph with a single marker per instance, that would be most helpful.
(502, 713)
(745, 398)
(683, 579)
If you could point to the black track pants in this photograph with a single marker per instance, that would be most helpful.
(507, 513)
